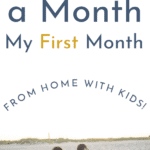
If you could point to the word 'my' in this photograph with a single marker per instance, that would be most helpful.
(18, 40)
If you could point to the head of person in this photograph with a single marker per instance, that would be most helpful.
(82, 147)
(57, 148)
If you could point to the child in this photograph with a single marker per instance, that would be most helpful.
(82, 147)
(57, 148)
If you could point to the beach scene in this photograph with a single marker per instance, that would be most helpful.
(66, 144)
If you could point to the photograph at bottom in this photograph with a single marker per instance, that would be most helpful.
(88, 144)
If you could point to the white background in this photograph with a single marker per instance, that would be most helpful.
(73, 112)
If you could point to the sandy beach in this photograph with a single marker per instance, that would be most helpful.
(117, 145)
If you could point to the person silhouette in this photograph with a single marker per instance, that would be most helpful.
(57, 148)
(82, 147)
